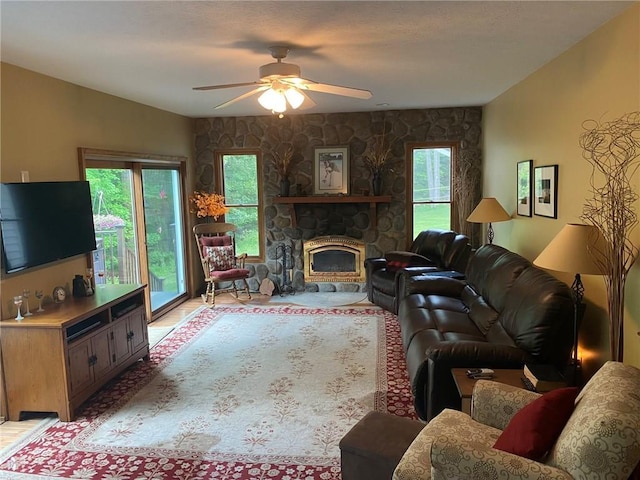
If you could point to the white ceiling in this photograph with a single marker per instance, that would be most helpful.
(410, 54)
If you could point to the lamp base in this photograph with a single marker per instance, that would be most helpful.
(573, 373)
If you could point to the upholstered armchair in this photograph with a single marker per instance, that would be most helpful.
(601, 438)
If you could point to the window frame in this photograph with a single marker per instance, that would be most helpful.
(411, 147)
(220, 188)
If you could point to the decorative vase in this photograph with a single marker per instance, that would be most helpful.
(376, 184)
(285, 185)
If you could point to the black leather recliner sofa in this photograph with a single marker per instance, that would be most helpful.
(506, 313)
(432, 251)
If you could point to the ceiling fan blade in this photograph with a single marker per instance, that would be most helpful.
(242, 97)
(336, 90)
(229, 85)
(308, 102)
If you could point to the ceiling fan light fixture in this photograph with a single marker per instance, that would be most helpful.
(294, 97)
(273, 100)
(281, 84)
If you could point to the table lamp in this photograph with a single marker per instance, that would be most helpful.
(574, 249)
(487, 211)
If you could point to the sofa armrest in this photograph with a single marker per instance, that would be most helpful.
(495, 404)
(432, 384)
(429, 285)
(469, 353)
(455, 457)
(373, 264)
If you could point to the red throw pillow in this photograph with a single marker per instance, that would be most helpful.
(397, 260)
(215, 241)
(534, 429)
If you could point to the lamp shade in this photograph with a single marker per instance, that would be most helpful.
(273, 100)
(488, 210)
(574, 249)
(294, 97)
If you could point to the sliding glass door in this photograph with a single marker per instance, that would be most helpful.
(164, 240)
(139, 221)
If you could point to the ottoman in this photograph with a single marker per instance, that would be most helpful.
(372, 449)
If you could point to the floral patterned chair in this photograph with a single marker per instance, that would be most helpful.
(221, 266)
(601, 438)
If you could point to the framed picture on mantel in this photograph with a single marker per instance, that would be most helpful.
(331, 171)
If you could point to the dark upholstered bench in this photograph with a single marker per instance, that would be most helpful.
(372, 449)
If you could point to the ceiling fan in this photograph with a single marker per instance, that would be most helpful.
(282, 85)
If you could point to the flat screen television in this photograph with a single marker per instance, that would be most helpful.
(42, 222)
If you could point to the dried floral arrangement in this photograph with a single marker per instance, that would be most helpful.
(378, 153)
(613, 150)
(282, 159)
(205, 204)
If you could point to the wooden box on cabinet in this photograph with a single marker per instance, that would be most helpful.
(55, 360)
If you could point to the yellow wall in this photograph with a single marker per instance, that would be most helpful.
(541, 119)
(44, 121)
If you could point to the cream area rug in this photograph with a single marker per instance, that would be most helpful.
(321, 299)
(157, 333)
(237, 393)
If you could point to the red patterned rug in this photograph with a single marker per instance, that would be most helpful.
(232, 393)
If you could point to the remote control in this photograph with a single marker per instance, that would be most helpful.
(475, 372)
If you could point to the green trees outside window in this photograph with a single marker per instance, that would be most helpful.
(242, 188)
(431, 169)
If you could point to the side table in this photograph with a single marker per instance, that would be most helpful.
(465, 384)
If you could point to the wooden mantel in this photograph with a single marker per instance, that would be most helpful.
(317, 199)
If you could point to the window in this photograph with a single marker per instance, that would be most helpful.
(429, 170)
(241, 186)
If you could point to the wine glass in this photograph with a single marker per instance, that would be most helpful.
(89, 283)
(101, 277)
(39, 296)
(17, 300)
(25, 296)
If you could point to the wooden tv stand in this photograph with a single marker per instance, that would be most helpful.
(53, 361)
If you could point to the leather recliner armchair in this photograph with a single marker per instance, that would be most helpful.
(435, 252)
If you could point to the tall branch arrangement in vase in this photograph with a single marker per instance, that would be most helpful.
(467, 177)
(613, 150)
(283, 160)
(377, 158)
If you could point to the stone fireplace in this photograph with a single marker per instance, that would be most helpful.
(297, 222)
(334, 258)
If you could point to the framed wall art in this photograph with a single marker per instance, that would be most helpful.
(545, 182)
(331, 171)
(524, 187)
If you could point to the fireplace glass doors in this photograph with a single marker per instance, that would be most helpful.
(334, 259)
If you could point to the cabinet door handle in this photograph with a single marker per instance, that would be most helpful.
(130, 335)
(93, 359)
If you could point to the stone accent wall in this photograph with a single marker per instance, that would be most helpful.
(355, 130)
